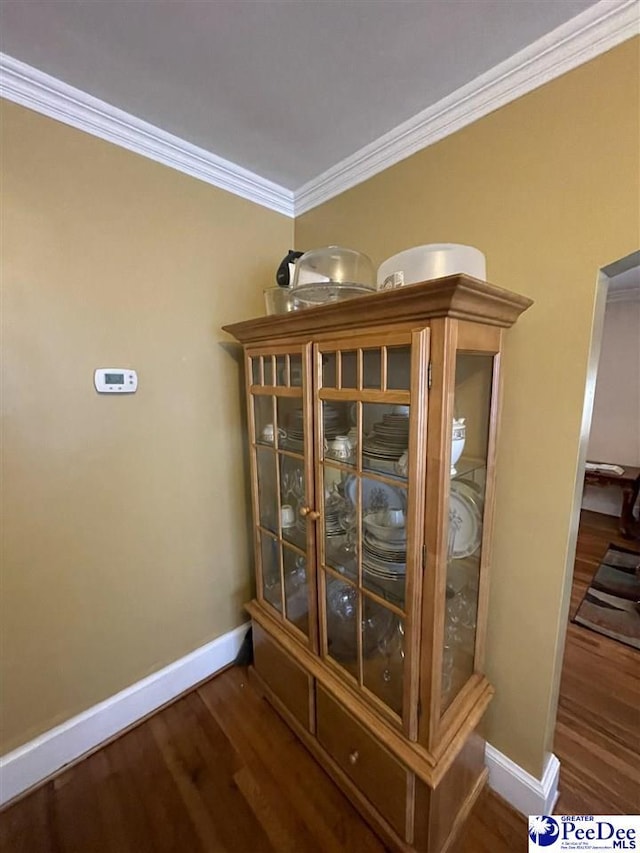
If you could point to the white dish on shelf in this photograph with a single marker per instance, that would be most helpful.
(465, 520)
(386, 525)
(375, 494)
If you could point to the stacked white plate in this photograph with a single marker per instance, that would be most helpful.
(334, 419)
(384, 547)
(388, 439)
(335, 423)
(295, 431)
(332, 525)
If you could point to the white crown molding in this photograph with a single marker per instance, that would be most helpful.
(32, 763)
(528, 795)
(594, 31)
(598, 29)
(38, 91)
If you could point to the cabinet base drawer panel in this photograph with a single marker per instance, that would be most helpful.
(374, 770)
(289, 682)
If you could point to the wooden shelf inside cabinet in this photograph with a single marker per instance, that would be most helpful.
(372, 436)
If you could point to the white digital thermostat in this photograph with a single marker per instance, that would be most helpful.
(115, 380)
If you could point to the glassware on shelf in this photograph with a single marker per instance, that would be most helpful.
(279, 300)
(391, 646)
(296, 589)
(342, 616)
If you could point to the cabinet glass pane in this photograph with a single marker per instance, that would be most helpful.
(383, 653)
(271, 580)
(349, 369)
(371, 368)
(292, 498)
(385, 444)
(295, 367)
(255, 371)
(281, 370)
(469, 447)
(267, 488)
(339, 524)
(342, 623)
(296, 589)
(339, 437)
(384, 540)
(290, 424)
(399, 368)
(265, 430)
(269, 369)
(329, 372)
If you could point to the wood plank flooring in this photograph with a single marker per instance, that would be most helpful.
(219, 771)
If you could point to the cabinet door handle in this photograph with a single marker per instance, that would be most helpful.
(354, 756)
(312, 514)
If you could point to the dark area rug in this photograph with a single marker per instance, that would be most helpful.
(612, 603)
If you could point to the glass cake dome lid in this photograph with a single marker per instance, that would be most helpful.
(331, 274)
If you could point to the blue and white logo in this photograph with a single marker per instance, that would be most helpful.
(543, 830)
(584, 833)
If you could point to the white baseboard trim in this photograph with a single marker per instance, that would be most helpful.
(528, 795)
(34, 761)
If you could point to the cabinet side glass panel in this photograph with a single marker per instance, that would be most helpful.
(469, 452)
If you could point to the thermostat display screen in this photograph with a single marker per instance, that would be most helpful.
(115, 380)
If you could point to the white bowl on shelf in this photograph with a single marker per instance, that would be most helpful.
(387, 525)
(435, 260)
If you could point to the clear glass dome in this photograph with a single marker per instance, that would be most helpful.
(330, 274)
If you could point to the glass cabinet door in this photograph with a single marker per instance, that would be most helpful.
(367, 411)
(281, 445)
(470, 447)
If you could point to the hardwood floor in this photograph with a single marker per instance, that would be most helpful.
(219, 771)
(598, 725)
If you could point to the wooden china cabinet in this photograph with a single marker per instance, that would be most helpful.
(372, 428)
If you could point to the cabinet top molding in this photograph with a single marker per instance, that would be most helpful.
(459, 296)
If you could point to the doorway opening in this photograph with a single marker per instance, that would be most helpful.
(597, 692)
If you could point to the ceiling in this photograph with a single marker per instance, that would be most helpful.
(283, 88)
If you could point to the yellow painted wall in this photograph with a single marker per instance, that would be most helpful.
(548, 188)
(125, 527)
